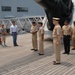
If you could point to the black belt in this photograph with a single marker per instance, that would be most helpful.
(66, 35)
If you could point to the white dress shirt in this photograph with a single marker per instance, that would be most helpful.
(13, 29)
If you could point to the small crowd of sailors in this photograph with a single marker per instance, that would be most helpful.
(66, 32)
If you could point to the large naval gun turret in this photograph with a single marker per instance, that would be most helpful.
(57, 8)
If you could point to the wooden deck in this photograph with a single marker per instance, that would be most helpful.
(22, 61)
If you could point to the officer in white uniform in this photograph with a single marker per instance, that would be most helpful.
(41, 39)
(56, 40)
(73, 36)
(33, 31)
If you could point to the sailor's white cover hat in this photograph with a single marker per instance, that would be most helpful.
(57, 19)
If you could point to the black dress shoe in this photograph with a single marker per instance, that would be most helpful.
(68, 53)
(40, 54)
(73, 48)
(64, 53)
(32, 49)
(54, 63)
(35, 50)
(15, 45)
